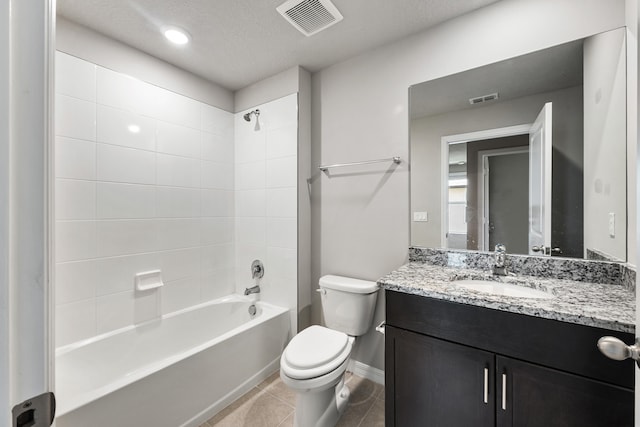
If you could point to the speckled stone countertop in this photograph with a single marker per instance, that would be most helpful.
(602, 305)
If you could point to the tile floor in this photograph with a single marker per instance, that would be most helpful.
(271, 404)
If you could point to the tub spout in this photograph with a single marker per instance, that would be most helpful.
(252, 290)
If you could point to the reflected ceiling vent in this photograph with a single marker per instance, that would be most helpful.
(310, 16)
(484, 98)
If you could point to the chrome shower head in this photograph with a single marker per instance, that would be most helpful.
(255, 112)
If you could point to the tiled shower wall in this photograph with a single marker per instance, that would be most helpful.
(266, 206)
(144, 181)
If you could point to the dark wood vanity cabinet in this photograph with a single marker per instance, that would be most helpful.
(450, 364)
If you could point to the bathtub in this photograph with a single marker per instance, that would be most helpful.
(175, 371)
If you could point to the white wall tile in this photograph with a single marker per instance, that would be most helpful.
(120, 164)
(250, 176)
(217, 175)
(217, 148)
(282, 262)
(180, 294)
(217, 231)
(282, 142)
(282, 172)
(121, 91)
(251, 231)
(146, 305)
(75, 240)
(282, 112)
(178, 233)
(125, 201)
(216, 120)
(75, 321)
(75, 158)
(251, 203)
(114, 311)
(174, 108)
(217, 203)
(117, 274)
(282, 202)
(178, 140)
(282, 232)
(75, 118)
(178, 171)
(75, 199)
(121, 127)
(175, 202)
(217, 285)
(181, 263)
(121, 237)
(76, 281)
(75, 77)
(250, 146)
(216, 258)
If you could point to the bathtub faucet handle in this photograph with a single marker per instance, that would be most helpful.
(257, 269)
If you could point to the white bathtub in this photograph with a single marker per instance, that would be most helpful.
(176, 371)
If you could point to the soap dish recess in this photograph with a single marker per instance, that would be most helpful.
(148, 280)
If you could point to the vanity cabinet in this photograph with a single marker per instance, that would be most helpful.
(451, 364)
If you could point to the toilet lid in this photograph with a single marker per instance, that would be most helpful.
(315, 348)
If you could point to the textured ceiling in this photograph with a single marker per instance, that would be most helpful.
(238, 42)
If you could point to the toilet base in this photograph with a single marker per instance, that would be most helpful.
(323, 408)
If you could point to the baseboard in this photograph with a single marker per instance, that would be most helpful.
(365, 371)
(234, 394)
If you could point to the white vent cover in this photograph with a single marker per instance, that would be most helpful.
(483, 98)
(310, 16)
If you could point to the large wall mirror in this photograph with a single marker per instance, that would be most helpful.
(529, 152)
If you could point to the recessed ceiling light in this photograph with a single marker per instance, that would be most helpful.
(177, 36)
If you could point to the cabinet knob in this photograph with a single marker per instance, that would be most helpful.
(616, 349)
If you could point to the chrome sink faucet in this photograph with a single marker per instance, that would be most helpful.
(499, 266)
(257, 272)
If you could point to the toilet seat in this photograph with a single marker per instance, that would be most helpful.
(314, 352)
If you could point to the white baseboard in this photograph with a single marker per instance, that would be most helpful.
(365, 371)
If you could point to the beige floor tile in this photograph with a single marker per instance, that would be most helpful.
(375, 416)
(255, 409)
(288, 422)
(363, 396)
(276, 387)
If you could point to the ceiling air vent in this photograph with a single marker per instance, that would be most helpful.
(310, 16)
(484, 98)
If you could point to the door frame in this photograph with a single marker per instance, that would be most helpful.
(27, 52)
(444, 162)
(483, 188)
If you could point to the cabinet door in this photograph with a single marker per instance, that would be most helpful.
(435, 383)
(541, 397)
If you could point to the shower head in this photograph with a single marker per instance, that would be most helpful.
(247, 116)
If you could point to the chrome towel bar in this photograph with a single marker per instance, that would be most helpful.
(324, 168)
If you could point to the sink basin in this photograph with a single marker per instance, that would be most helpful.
(505, 289)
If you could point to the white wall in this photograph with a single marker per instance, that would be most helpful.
(266, 196)
(361, 222)
(129, 202)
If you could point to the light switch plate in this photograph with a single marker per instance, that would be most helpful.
(421, 216)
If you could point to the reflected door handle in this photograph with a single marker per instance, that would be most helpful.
(546, 250)
(616, 349)
(538, 249)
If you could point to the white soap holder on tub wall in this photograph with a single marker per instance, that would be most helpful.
(148, 280)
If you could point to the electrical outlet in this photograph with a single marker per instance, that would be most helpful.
(612, 224)
(420, 216)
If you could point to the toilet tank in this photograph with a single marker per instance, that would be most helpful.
(348, 304)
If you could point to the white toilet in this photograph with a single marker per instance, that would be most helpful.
(314, 362)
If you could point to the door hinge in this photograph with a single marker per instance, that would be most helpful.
(38, 411)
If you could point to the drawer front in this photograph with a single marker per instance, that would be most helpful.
(560, 345)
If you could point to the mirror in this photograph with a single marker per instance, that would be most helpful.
(480, 172)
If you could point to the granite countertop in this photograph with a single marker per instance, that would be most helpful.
(607, 306)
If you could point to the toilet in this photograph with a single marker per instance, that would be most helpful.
(314, 362)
